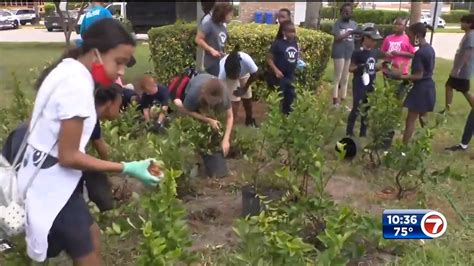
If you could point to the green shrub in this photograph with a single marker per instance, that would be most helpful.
(172, 49)
(49, 9)
(329, 13)
(364, 16)
(377, 16)
(454, 16)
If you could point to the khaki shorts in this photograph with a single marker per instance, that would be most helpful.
(232, 85)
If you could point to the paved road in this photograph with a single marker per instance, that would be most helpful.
(445, 44)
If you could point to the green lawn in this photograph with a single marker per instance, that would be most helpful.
(24, 58)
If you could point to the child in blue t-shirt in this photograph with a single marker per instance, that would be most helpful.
(282, 60)
(364, 66)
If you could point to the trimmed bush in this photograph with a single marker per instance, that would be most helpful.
(329, 13)
(364, 16)
(49, 9)
(454, 16)
(377, 16)
(172, 49)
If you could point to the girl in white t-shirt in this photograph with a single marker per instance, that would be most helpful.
(63, 119)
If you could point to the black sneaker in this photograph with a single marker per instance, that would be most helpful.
(456, 148)
(251, 123)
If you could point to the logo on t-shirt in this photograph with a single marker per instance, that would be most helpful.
(349, 38)
(395, 46)
(93, 13)
(371, 65)
(222, 37)
(291, 54)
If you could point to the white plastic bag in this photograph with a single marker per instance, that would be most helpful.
(8, 183)
(12, 212)
(365, 78)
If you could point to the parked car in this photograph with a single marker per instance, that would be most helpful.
(426, 18)
(53, 22)
(8, 20)
(26, 15)
(142, 15)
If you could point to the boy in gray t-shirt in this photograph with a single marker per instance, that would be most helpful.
(205, 92)
(463, 65)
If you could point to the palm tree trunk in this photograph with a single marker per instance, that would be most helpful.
(312, 14)
(415, 12)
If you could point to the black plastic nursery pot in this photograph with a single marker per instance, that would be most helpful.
(251, 202)
(350, 148)
(215, 165)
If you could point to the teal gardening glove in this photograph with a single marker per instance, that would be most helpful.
(139, 169)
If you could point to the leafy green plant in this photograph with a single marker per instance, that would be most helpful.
(383, 111)
(265, 242)
(407, 159)
(297, 139)
(164, 228)
(197, 135)
(18, 111)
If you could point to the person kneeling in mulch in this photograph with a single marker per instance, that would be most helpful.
(205, 94)
(154, 96)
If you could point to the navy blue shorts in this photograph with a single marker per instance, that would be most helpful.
(422, 97)
(71, 228)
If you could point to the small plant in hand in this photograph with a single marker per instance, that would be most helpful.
(155, 170)
(200, 136)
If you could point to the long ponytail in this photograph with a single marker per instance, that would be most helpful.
(232, 63)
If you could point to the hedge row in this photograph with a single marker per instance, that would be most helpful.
(364, 16)
(454, 16)
(172, 48)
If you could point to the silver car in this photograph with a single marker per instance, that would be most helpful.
(8, 20)
(26, 15)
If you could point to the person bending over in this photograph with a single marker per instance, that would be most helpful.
(239, 71)
(206, 94)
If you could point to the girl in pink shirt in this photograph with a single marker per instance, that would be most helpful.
(397, 48)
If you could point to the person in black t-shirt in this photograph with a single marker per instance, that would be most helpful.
(282, 60)
(153, 95)
(108, 104)
(364, 66)
(128, 97)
